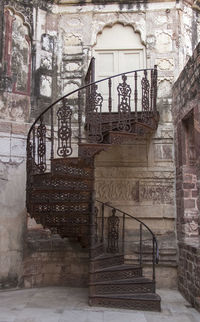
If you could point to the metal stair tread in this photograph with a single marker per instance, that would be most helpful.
(135, 296)
(106, 256)
(51, 190)
(123, 133)
(117, 268)
(134, 280)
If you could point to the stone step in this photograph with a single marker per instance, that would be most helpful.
(106, 260)
(116, 273)
(143, 302)
(129, 286)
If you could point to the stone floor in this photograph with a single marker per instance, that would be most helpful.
(65, 304)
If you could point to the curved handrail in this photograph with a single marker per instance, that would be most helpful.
(81, 88)
(100, 119)
(138, 220)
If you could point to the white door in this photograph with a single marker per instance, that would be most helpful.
(118, 50)
(109, 63)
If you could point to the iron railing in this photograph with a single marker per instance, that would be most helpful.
(60, 127)
(122, 233)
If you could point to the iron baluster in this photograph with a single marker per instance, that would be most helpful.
(102, 222)
(124, 109)
(92, 223)
(113, 233)
(52, 135)
(136, 97)
(34, 148)
(94, 116)
(110, 103)
(64, 115)
(140, 244)
(92, 70)
(79, 118)
(123, 233)
(41, 146)
(96, 224)
(155, 88)
(151, 91)
(153, 257)
(145, 96)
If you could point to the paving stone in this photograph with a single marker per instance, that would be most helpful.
(82, 316)
(124, 317)
(63, 304)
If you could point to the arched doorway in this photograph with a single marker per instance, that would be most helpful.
(118, 49)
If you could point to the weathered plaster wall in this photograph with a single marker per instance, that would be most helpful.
(15, 74)
(12, 201)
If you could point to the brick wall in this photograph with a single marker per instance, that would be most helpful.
(186, 116)
(189, 271)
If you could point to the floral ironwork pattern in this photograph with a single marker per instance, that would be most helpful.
(64, 116)
(41, 146)
(145, 96)
(94, 111)
(113, 233)
(124, 108)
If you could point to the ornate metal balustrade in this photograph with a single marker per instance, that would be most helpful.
(123, 103)
(121, 233)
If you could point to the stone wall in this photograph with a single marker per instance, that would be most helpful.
(51, 260)
(53, 44)
(189, 271)
(186, 107)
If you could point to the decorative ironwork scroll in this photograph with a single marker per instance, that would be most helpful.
(145, 96)
(124, 108)
(64, 116)
(29, 156)
(94, 112)
(41, 146)
(113, 233)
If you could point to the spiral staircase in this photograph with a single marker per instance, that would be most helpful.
(61, 148)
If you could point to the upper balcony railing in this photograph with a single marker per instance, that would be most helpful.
(125, 103)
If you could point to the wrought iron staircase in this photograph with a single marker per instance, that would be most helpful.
(61, 147)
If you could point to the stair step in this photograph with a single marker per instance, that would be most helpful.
(59, 182)
(128, 286)
(97, 250)
(53, 196)
(89, 150)
(116, 273)
(106, 260)
(60, 208)
(144, 302)
(116, 137)
(72, 167)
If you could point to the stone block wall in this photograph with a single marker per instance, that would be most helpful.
(186, 107)
(189, 271)
(52, 261)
